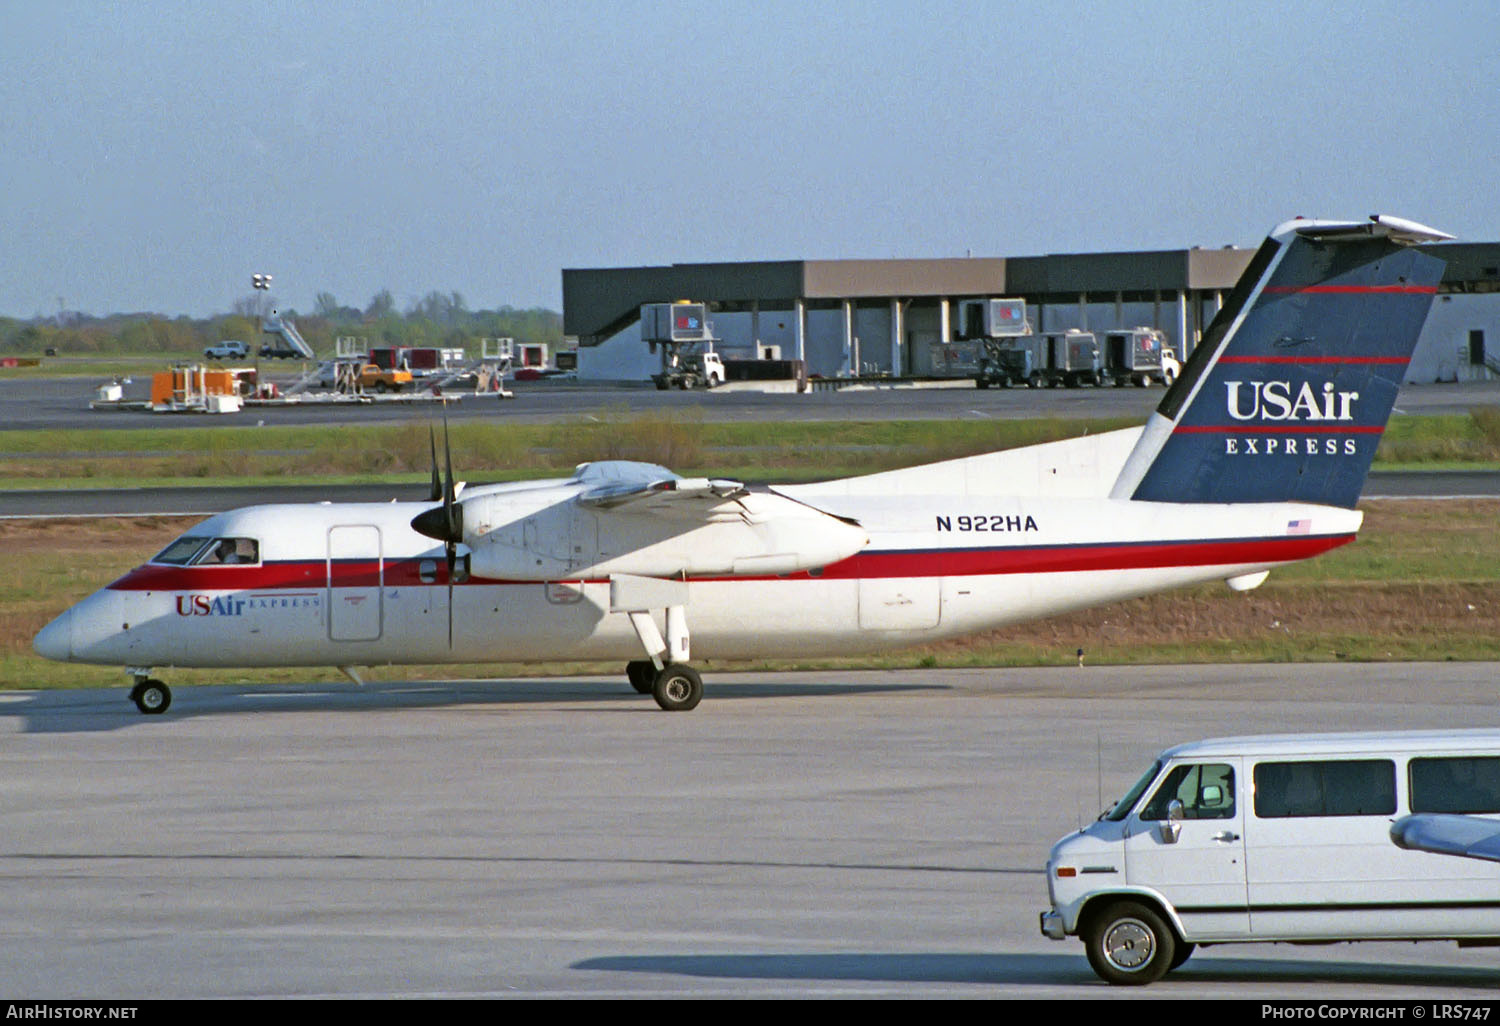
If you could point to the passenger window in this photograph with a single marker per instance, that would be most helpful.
(230, 552)
(1467, 784)
(1343, 787)
(1206, 792)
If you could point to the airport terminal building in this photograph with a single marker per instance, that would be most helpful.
(897, 318)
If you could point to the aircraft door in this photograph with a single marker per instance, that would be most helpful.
(356, 575)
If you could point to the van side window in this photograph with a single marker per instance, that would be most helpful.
(1206, 792)
(1343, 787)
(1456, 784)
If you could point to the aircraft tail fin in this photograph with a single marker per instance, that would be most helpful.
(1286, 397)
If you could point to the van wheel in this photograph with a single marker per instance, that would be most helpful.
(1184, 952)
(1130, 944)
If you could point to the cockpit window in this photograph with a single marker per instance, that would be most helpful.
(181, 551)
(196, 550)
(229, 552)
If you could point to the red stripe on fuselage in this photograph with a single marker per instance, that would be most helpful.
(403, 573)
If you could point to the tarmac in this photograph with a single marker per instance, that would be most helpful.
(815, 834)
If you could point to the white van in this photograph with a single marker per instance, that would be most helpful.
(1285, 838)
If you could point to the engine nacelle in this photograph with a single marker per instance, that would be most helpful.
(753, 535)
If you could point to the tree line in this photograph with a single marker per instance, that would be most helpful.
(437, 319)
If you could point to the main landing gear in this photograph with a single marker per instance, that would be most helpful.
(151, 697)
(676, 686)
(665, 675)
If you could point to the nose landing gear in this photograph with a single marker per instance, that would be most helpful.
(151, 697)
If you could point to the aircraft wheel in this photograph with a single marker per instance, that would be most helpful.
(981, 382)
(678, 688)
(1129, 943)
(642, 675)
(151, 697)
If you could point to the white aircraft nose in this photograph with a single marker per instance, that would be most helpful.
(55, 641)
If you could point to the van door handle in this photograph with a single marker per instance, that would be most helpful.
(1226, 835)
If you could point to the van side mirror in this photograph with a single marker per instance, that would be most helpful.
(1171, 828)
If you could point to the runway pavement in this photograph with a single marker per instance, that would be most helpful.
(860, 834)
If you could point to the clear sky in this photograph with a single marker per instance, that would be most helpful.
(155, 153)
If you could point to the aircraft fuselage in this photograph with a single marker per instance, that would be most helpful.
(353, 584)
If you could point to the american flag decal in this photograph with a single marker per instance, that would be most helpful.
(1298, 526)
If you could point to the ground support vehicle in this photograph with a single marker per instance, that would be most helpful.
(227, 350)
(1138, 356)
(1068, 358)
(1302, 838)
(1005, 363)
(373, 378)
(696, 370)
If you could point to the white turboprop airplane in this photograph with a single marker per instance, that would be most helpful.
(1254, 459)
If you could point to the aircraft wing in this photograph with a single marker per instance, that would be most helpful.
(1469, 837)
(687, 498)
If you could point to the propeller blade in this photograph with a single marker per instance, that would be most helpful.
(437, 484)
(453, 519)
(452, 553)
(452, 513)
(443, 523)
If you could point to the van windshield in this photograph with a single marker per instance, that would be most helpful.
(1120, 809)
